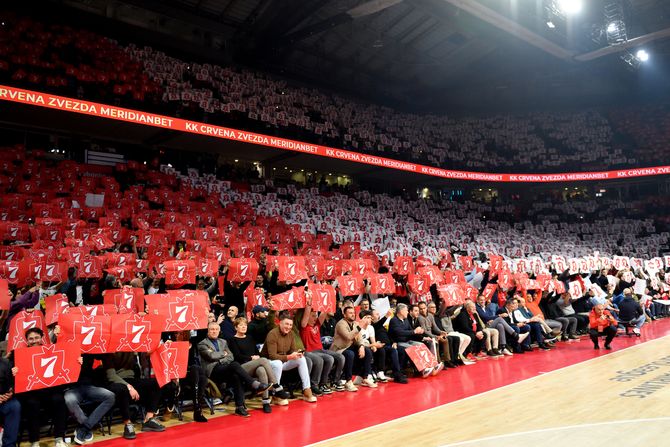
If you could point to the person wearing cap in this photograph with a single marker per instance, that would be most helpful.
(259, 326)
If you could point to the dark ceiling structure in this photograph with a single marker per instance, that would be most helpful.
(424, 55)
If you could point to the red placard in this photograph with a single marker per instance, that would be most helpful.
(20, 323)
(291, 299)
(242, 269)
(350, 285)
(403, 265)
(559, 286)
(470, 291)
(489, 290)
(421, 357)
(46, 366)
(51, 271)
(90, 267)
(454, 277)
(16, 272)
(106, 310)
(324, 298)
(125, 299)
(451, 294)
(55, 305)
(466, 262)
(179, 272)
(92, 333)
(207, 267)
(382, 284)
(4, 294)
(418, 284)
(255, 296)
(328, 269)
(135, 333)
(432, 272)
(505, 279)
(291, 269)
(182, 309)
(170, 361)
(496, 262)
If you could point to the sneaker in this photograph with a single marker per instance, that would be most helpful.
(278, 401)
(266, 407)
(369, 382)
(153, 425)
(437, 369)
(282, 394)
(381, 377)
(316, 390)
(325, 389)
(241, 411)
(550, 339)
(523, 336)
(426, 372)
(128, 431)
(82, 435)
(573, 337)
(636, 331)
(358, 380)
(349, 386)
(339, 386)
(466, 361)
(506, 351)
(493, 353)
(61, 443)
(260, 387)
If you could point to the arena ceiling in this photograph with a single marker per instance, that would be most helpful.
(421, 54)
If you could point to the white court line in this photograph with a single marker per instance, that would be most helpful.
(561, 428)
(483, 393)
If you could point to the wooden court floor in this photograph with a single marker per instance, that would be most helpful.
(621, 399)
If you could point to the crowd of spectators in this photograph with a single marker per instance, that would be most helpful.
(83, 64)
(493, 289)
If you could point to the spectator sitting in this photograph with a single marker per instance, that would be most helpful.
(347, 341)
(630, 312)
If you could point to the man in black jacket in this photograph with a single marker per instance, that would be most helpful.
(630, 312)
(390, 349)
(10, 408)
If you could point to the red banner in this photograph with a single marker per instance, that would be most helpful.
(135, 333)
(106, 310)
(46, 366)
(382, 284)
(242, 269)
(328, 269)
(451, 294)
(170, 361)
(126, 299)
(403, 265)
(324, 298)
(291, 299)
(4, 294)
(182, 309)
(255, 296)
(350, 285)
(421, 357)
(418, 284)
(92, 333)
(179, 272)
(55, 305)
(489, 290)
(291, 269)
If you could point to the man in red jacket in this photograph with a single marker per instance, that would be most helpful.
(601, 322)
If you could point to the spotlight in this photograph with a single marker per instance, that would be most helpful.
(612, 27)
(642, 55)
(550, 24)
(570, 6)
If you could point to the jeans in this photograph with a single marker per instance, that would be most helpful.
(88, 394)
(338, 361)
(367, 360)
(11, 412)
(326, 361)
(380, 359)
(303, 370)
(261, 368)
(503, 328)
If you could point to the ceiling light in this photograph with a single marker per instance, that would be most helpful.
(570, 6)
(642, 55)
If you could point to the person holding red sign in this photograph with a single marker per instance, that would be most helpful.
(10, 408)
(220, 366)
(121, 380)
(310, 333)
(33, 401)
